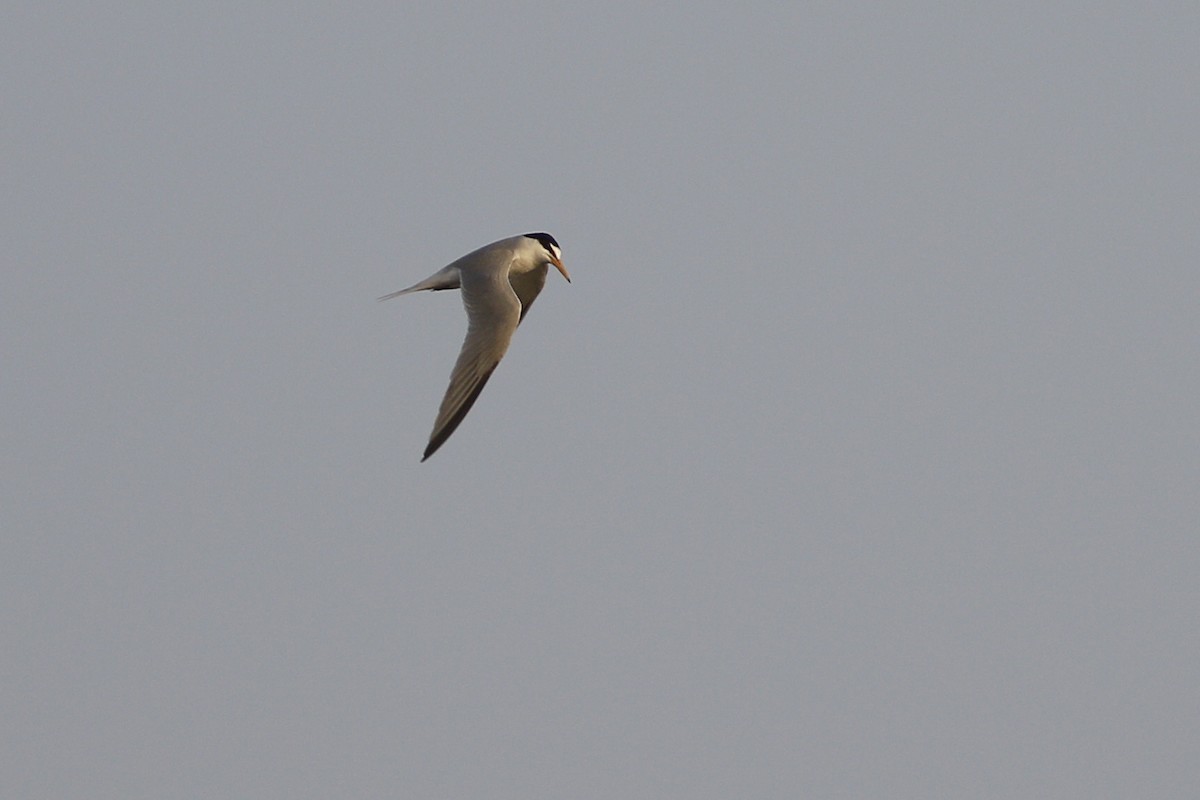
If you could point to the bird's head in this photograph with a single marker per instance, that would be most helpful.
(553, 254)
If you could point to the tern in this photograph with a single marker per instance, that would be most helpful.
(499, 283)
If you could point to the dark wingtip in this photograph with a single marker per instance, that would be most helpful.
(452, 424)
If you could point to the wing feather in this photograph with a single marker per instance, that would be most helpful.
(527, 286)
(493, 313)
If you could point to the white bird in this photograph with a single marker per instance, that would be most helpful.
(499, 283)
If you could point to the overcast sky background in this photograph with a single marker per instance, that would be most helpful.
(861, 458)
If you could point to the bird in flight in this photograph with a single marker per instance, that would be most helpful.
(499, 283)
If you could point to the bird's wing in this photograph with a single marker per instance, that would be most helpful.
(526, 285)
(493, 313)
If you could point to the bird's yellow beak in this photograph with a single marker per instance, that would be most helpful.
(556, 261)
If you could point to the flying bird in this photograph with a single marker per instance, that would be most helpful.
(499, 283)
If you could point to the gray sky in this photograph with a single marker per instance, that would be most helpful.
(859, 460)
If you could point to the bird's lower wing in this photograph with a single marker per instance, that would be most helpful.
(527, 285)
(493, 312)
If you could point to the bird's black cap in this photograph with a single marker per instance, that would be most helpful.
(546, 240)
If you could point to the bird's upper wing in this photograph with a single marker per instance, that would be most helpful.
(493, 313)
(526, 285)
